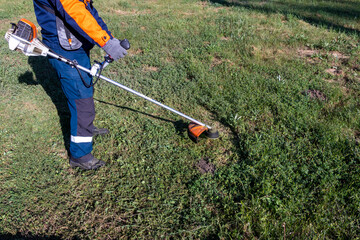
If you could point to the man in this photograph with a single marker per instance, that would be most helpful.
(71, 28)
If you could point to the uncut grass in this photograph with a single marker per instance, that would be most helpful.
(287, 164)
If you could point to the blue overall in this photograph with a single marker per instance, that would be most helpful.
(79, 97)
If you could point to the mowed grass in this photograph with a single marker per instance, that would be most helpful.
(278, 79)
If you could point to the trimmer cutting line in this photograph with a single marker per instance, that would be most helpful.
(23, 36)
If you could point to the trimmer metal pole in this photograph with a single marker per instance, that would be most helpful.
(128, 89)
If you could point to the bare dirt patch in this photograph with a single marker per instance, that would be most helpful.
(311, 56)
(315, 94)
(334, 71)
(204, 166)
(307, 52)
(339, 55)
(315, 56)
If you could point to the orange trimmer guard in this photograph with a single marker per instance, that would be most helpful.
(195, 130)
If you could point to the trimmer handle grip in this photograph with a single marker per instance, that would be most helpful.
(108, 60)
(124, 43)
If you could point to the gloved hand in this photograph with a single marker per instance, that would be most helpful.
(114, 49)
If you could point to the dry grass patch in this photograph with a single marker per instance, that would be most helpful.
(225, 38)
(314, 56)
(132, 13)
(271, 53)
(218, 61)
(334, 71)
(307, 52)
(311, 56)
(147, 68)
(135, 52)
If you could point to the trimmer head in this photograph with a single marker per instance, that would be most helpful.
(195, 130)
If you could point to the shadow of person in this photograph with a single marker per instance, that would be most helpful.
(46, 76)
(20, 236)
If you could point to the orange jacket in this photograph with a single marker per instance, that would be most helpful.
(80, 17)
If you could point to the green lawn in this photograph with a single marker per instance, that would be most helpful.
(280, 80)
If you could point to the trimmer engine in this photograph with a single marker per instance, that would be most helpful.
(23, 36)
(25, 30)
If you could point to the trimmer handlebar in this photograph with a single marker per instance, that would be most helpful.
(98, 67)
(125, 44)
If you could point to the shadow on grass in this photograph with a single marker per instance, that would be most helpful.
(18, 236)
(311, 13)
(179, 125)
(47, 78)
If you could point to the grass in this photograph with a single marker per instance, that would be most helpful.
(279, 79)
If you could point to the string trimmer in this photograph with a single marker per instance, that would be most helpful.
(23, 37)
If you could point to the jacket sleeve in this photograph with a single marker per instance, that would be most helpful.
(77, 15)
(100, 21)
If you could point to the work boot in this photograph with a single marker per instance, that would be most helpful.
(100, 131)
(87, 162)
